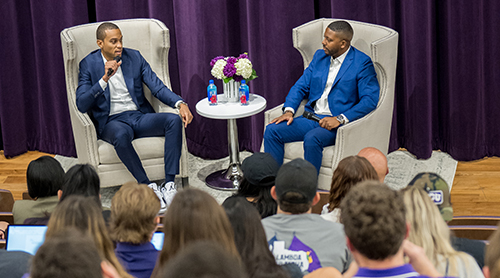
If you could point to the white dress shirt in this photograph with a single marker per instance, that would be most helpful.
(120, 99)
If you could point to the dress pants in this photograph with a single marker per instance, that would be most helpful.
(124, 127)
(315, 139)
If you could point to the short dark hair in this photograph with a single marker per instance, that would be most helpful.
(294, 203)
(83, 180)
(203, 259)
(71, 253)
(44, 177)
(342, 27)
(374, 219)
(261, 195)
(101, 30)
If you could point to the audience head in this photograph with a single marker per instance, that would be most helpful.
(295, 187)
(44, 177)
(83, 180)
(69, 253)
(374, 220)
(203, 259)
(259, 173)
(84, 214)
(491, 267)
(195, 215)
(377, 159)
(350, 171)
(134, 210)
(438, 190)
(251, 239)
(427, 228)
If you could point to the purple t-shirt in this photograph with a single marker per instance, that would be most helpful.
(405, 271)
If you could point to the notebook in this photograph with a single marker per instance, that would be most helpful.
(27, 238)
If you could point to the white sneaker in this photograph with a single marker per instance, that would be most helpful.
(159, 194)
(168, 191)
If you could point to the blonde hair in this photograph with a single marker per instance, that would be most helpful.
(133, 211)
(84, 214)
(429, 231)
(195, 215)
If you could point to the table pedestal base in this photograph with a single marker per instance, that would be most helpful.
(228, 179)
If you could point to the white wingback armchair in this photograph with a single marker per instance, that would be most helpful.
(373, 130)
(152, 38)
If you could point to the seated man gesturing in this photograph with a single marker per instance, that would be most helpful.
(110, 89)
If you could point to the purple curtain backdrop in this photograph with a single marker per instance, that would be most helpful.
(446, 88)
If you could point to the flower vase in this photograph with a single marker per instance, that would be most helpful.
(231, 91)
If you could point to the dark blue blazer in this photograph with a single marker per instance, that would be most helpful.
(355, 91)
(91, 98)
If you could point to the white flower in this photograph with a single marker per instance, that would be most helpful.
(218, 69)
(243, 68)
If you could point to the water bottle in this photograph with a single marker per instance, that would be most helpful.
(212, 93)
(244, 93)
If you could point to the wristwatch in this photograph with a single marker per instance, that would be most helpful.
(341, 118)
(179, 104)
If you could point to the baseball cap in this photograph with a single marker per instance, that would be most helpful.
(298, 176)
(260, 169)
(438, 190)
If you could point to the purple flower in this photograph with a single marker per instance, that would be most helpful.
(229, 70)
(243, 56)
(237, 78)
(231, 60)
(212, 63)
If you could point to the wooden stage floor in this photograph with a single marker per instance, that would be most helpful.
(476, 187)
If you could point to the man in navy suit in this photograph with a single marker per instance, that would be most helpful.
(110, 90)
(340, 85)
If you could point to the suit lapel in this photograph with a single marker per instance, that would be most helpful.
(345, 66)
(127, 75)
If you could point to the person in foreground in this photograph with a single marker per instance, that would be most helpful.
(429, 231)
(375, 225)
(294, 234)
(340, 86)
(44, 177)
(134, 219)
(491, 268)
(70, 253)
(111, 91)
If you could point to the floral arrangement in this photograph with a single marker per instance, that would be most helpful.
(231, 68)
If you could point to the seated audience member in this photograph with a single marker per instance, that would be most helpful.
(84, 214)
(203, 259)
(433, 184)
(251, 242)
(492, 257)
(70, 253)
(134, 218)
(294, 234)
(429, 231)
(350, 171)
(14, 263)
(377, 159)
(259, 172)
(44, 177)
(194, 215)
(376, 228)
(83, 180)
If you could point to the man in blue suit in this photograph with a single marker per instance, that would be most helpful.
(340, 85)
(110, 90)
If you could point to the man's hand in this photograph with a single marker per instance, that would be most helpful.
(419, 260)
(185, 114)
(287, 116)
(110, 65)
(329, 123)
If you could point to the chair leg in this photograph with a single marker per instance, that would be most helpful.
(185, 182)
